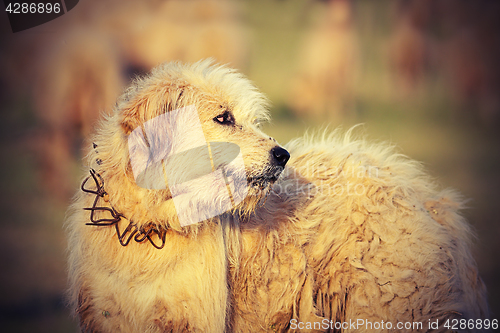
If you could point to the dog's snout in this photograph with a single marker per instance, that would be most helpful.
(281, 156)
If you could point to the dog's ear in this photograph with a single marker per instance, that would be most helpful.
(150, 104)
(133, 115)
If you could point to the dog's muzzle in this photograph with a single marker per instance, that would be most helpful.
(279, 158)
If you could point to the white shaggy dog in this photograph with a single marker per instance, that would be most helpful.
(348, 232)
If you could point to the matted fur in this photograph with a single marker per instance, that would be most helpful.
(350, 230)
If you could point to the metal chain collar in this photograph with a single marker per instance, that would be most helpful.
(132, 231)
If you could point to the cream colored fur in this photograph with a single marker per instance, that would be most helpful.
(349, 231)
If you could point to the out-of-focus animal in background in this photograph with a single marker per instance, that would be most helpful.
(79, 79)
(470, 57)
(328, 65)
(457, 42)
(86, 61)
(409, 47)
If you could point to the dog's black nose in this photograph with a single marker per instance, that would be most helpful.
(280, 155)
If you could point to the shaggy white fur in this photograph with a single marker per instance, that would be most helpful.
(355, 232)
(349, 232)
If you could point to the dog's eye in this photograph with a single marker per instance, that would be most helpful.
(225, 118)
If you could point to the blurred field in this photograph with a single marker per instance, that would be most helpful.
(407, 89)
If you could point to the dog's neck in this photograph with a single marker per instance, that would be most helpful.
(151, 232)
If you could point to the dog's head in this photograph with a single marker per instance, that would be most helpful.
(184, 144)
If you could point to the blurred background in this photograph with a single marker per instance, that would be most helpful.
(421, 74)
